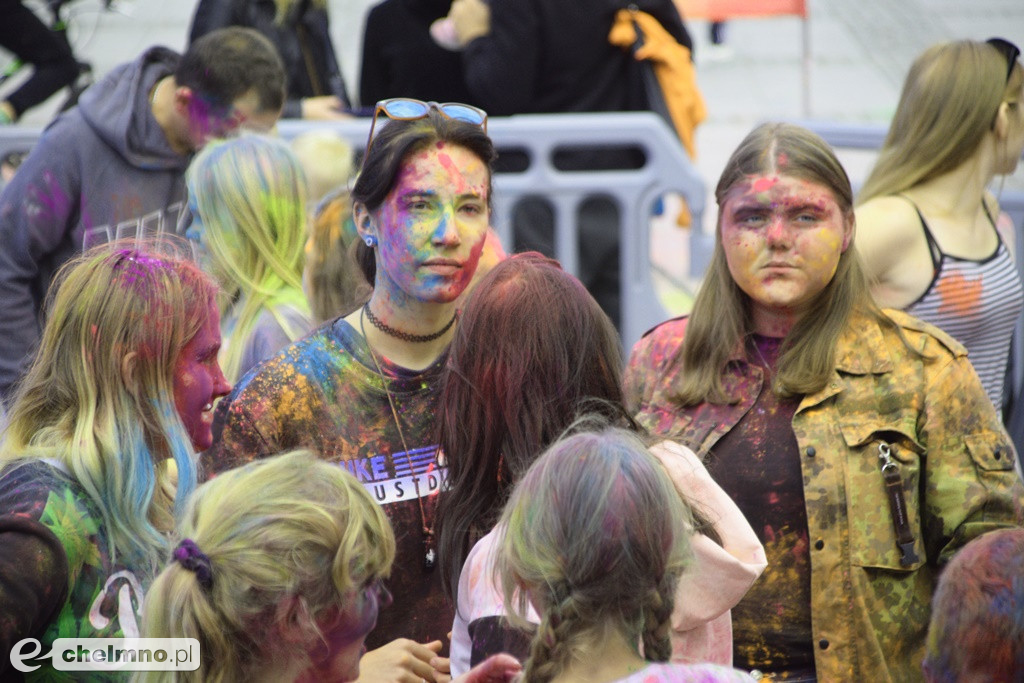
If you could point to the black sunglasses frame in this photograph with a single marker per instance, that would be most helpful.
(1010, 51)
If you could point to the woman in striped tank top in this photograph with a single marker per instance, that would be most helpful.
(930, 233)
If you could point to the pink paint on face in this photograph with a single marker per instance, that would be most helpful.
(207, 121)
(198, 381)
(432, 225)
(782, 238)
(336, 657)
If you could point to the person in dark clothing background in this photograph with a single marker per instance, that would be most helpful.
(24, 34)
(300, 31)
(552, 56)
(400, 59)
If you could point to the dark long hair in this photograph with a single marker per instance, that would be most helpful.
(532, 351)
(392, 146)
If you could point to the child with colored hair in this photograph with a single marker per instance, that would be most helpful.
(284, 585)
(977, 626)
(551, 354)
(247, 196)
(98, 455)
(595, 538)
(275, 584)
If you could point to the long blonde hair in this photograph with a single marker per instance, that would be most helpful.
(250, 194)
(950, 98)
(595, 534)
(721, 318)
(288, 527)
(99, 398)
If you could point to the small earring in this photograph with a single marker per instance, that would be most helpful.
(370, 240)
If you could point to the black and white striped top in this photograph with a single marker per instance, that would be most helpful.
(977, 303)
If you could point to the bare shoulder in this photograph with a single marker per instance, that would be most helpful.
(887, 222)
(887, 229)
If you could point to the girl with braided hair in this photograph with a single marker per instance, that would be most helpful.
(550, 355)
(595, 538)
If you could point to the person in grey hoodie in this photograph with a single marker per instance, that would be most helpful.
(114, 166)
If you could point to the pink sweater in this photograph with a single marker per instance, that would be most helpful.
(707, 591)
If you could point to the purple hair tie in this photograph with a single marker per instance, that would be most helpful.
(189, 556)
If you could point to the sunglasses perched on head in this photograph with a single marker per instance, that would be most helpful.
(407, 109)
(1007, 50)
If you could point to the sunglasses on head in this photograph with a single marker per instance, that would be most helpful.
(1007, 50)
(407, 109)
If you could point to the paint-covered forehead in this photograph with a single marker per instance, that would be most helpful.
(445, 165)
(776, 189)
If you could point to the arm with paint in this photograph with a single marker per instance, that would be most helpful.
(720, 574)
(970, 485)
(33, 582)
(37, 211)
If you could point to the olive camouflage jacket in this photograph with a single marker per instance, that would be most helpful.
(871, 604)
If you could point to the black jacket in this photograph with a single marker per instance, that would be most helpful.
(549, 56)
(302, 39)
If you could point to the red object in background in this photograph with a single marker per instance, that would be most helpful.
(720, 10)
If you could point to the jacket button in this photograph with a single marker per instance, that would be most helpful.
(823, 644)
(819, 544)
(811, 452)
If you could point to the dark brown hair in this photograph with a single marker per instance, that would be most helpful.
(227, 63)
(532, 351)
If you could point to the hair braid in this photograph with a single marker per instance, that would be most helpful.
(657, 622)
(552, 642)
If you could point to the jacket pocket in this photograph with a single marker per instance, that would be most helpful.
(990, 452)
(870, 510)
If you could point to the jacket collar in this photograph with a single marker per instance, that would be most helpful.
(860, 350)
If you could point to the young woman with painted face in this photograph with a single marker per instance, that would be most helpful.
(247, 196)
(362, 390)
(119, 398)
(927, 225)
(861, 441)
(550, 355)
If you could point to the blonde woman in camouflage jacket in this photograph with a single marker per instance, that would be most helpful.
(859, 443)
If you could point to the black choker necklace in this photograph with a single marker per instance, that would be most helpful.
(405, 336)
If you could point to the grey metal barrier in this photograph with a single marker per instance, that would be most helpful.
(536, 139)
(871, 137)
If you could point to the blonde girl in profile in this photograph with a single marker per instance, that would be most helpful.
(595, 538)
(247, 196)
(279, 574)
(122, 385)
(930, 232)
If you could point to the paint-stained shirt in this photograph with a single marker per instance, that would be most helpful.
(324, 393)
(758, 464)
(870, 611)
(57, 579)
